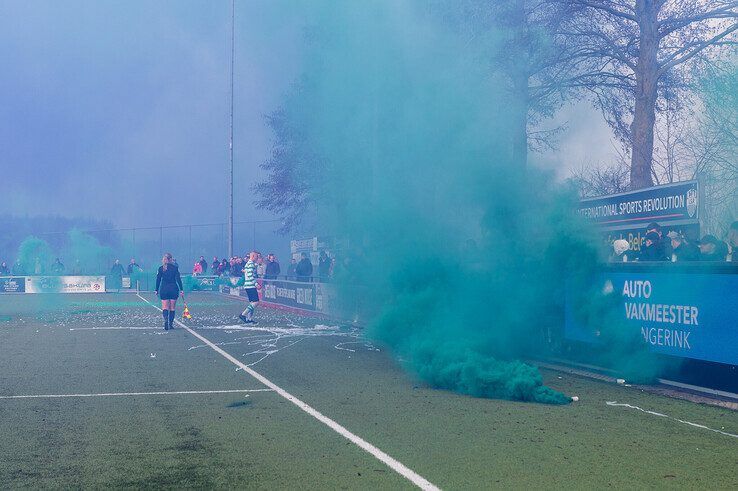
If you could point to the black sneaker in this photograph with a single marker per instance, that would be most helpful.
(166, 326)
(251, 321)
(243, 318)
(171, 325)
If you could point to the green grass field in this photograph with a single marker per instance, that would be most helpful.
(109, 351)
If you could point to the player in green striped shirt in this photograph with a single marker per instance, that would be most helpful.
(249, 284)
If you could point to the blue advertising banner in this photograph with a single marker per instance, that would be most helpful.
(12, 284)
(685, 315)
(672, 202)
(289, 293)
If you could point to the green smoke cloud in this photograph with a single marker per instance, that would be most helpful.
(405, 138)
(85, 254)
(35, 255)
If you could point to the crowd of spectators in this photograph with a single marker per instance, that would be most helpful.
(268, 267)
(676, 247)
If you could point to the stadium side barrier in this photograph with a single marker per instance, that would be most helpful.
(52, 284)
(681, 311)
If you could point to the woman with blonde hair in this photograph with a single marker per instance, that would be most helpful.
(168, 288)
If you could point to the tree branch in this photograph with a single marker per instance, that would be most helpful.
(701, 46)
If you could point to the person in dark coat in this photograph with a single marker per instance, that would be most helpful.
(169, 289)
(654, 249)
(304, 269)
(712, 249)
(57, 267)
(292, 269)
(214, 267)
(665, 244)
(133, 267)
(324, 266)
(116, 275)
(272, 268)
(682, 250)
(4, 270)
(204, 265)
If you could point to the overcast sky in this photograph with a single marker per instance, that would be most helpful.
(103, 103)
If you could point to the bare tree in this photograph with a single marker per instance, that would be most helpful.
(714, 147)
(536, 64)
(597, 180)
(636, 54)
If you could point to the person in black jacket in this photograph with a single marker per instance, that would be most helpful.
(682, 250)
(712, 249)
(272, 268)
(168, 288)
(116, 275)
(304, 268)
(324, 267)
(653, 249)
(204, 265)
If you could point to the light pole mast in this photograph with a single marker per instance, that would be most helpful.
(230, 174)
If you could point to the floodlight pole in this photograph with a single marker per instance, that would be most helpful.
(230, 175)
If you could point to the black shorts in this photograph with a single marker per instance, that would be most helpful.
(253, 294)
(169, 293)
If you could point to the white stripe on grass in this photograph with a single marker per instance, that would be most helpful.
(660, 415)
(129, 394)
(390, 462)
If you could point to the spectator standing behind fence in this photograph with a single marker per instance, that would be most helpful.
(4, 270)
(621, 251)
(215, 266)
(38, 267)
(224, 268)
(203, 265)
(18, 268)
(663, 244)
(272, 267)
(197, 269)
(682, 250)
(304, 269)
(292, 269)
(733, 241)
(712, 249)
(324, 266)
(116, 275)
(133, 267)
(654, 249)
(260, 266)
(57, 267)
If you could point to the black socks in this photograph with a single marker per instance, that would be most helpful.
(171, 318)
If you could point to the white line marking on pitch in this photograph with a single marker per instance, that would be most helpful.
(119, 394)
(114, 328)
(654, 413)
(393, 464)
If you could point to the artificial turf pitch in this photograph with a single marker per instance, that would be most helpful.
(111, 349)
